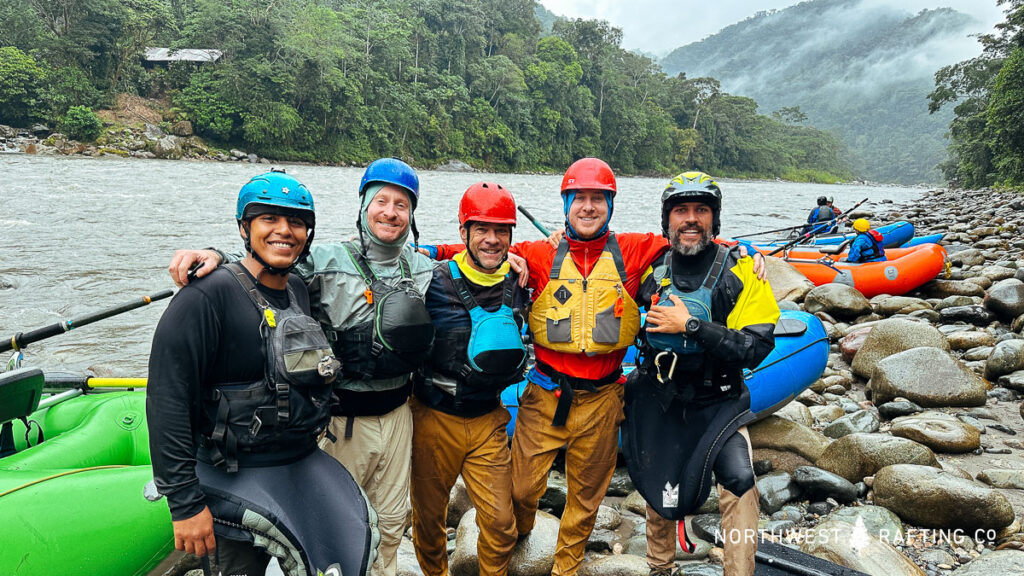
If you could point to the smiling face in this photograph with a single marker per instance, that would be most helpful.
(279, 240)
(388, 213)
(487, 242)
(689, 225)
(588, 213)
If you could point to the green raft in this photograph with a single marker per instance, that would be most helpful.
(75, 503)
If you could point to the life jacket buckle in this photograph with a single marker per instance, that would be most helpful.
(671, 367)
(256, 425)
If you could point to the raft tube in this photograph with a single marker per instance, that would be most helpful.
(798, 360)
(905, 269)
(918, 240)
(893, 235)
(75, 503)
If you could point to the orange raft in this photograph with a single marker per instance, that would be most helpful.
(905, 269)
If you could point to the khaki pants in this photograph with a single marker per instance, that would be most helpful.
(445, 446)
(739, 532)
(591, 434)
(378, 457)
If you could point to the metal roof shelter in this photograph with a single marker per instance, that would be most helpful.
(182, 55)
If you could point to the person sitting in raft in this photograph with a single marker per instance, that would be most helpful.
(830, 204)
(867, 246)
(822, 214)
(240, 383)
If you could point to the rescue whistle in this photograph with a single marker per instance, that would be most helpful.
(268, 315)
(558, 392)
(654, 299)
(369, 295)
(619, 306)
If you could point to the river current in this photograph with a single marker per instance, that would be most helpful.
(83, 234)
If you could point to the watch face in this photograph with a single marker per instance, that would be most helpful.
(692, 325)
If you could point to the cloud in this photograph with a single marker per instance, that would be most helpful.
(659, 26)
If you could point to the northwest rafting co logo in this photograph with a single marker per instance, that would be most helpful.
(670, 496)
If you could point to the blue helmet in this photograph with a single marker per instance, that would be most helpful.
(392, 171)
(275, 192)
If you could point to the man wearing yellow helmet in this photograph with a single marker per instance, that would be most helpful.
(867, 246)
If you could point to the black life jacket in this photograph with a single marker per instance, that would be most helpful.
(482, 359)
(397, 339)
(280, 416)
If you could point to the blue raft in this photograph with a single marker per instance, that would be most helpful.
(894, 235)
(799, 358)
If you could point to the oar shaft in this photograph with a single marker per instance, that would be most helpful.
(21, 340)
(67, 380)
(541, 227)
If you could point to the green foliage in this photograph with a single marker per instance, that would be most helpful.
(81, 123)
(353, 80)
(1006, 120)
(20, 78)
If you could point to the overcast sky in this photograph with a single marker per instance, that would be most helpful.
(659, 26)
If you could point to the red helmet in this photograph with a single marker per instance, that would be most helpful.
(487, 202)
(589, 174)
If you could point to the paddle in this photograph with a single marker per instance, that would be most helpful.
(58, 380)
(21, 340)
(541, 227)
(815, 232)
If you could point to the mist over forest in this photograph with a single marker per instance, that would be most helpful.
(860, 68)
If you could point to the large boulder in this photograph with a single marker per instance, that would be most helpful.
(168, 148)
(775, 490)
(879, 522)
(943, 288)
(860, 421)
(785, 435)
(854, 340)
(889, 305)
(821, 484)
(534, 554)
(786, 281)
(1007, 357)
(973, 314)
(837, 300)
(852, 546)
(891, 336)
(858, 455)
(1006, 299)
(933, 498)
(928, 377)
(938, 431)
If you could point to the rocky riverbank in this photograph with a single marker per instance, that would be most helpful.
(904, 459)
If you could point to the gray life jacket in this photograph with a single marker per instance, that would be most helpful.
(288, 408)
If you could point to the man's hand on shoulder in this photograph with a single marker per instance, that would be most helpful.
(184, 260)
(195, 535)
(519, 264)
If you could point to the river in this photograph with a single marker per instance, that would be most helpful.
(82, 234)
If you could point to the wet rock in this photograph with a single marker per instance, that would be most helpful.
(776, 490)
(996, 273)
(928, 377)
(858, 455)
(608, 518)
(850, 344)
(534, 555)
(996, 562)
(849, 546)
(970, 339)
(818, 483)
(791, 513)
(977, 354)
(635, 503)
(458, 503)
(781, 460)
(796, 412)
(889, 305)
(982, 281)
(859, 421)
(838, 300)
(973, 314)
(968, 257)
(1006, 299)
(1007, 357)
(167, 148)
(892, 336)
(944, 288)
(702, 570)
(780, 434)
(1002, 394)
(898, 408)
(1001, 478)
(1014, 381)
(827, 413)
(615, 565)
(938, 431)
(706, 526)
(951, 301)
(787, 283)
(932, 498)
(879, 522)
(621, 484)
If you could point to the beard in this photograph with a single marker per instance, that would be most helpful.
(690, 249)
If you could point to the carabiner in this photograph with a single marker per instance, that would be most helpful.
(671, 369)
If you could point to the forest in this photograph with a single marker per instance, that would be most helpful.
(347, 81)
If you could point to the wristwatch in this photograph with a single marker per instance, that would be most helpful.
(692, 325)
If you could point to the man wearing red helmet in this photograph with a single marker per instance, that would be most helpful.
(459, 423)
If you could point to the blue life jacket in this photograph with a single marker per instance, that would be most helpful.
(495, 343)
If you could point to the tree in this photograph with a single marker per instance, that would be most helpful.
(20, 78)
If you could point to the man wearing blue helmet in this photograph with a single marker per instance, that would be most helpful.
(368, 296)
(240, 381)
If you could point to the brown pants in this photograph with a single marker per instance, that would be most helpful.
(739, 532)
(591, 437)
(377, 455)
(444, 446)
